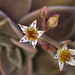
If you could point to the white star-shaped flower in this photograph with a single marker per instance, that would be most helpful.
(65, 55)
(32, 34)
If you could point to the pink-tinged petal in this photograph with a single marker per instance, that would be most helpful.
(40, 33)
(71, 62)
(24, 39)
(56, 56)
(61, 64)
(23, 28)
(72, 51)
(33, 25)
(34, 43)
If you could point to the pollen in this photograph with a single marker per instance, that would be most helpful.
(65, 56)
(31, 34)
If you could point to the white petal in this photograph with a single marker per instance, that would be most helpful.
(33, 25)
(71, 62)
(40, 33)
(61, 64)
(64, 47)
(34, 43)
(23, 28)
(24, 39)
(72, 51)
(56, 56)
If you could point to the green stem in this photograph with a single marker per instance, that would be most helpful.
(51, 41)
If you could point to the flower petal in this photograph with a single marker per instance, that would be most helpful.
(23, 28)
(71, 62)
(56, 56)
(33, 25)
(61, 64)
(40, 33)
(34, 43)
(64, 47)
(24, 39)
(72, 51)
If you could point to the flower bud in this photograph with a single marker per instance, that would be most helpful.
(52, 22)
(44, 13)
(44, 45)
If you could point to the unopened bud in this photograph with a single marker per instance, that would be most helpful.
(44, 13)
(52, 22)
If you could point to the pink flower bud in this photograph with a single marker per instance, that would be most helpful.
(52, 22)
(44, 13)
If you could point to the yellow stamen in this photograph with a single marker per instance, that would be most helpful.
(31, 34)
(65, 55)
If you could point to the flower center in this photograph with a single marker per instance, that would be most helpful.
(31, 34)
(65, 55)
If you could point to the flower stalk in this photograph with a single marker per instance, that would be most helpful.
(51, 41)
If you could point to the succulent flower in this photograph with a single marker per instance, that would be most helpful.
(65, 55)
(32, 34)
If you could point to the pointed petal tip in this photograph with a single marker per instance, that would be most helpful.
(54, 57)
(43, 31)
(19, 42)
(40, 33)
(60, 69)
(35, 20)
(61, 65)
(19, 24)
(34, 47)
(34, 43)
(33, 24)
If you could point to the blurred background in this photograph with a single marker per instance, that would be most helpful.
(22, 59)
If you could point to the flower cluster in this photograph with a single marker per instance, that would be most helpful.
(32, 34)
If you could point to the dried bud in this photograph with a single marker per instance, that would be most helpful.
(44, 13)
(52, 22)
(52, 48)
(44, 45)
